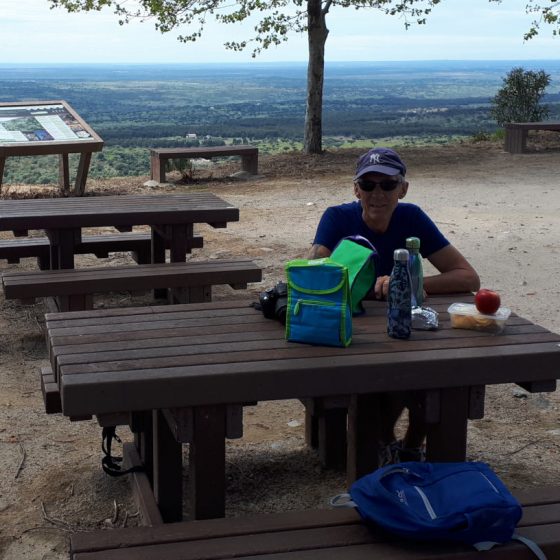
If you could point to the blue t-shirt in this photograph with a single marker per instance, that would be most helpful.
(408, 220)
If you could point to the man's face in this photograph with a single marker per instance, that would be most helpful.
(379, 204)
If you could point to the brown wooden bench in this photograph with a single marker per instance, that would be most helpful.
(50, 391)
(99, 245)
(74, 287)
(516, 134)
(160, 156)
(310, 535)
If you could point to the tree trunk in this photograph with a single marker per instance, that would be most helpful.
(317, 36)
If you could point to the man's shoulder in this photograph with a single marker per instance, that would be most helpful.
(345, 208)
(408, 208)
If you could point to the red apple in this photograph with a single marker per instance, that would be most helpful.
(487, 301)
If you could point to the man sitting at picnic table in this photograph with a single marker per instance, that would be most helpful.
(378, 215)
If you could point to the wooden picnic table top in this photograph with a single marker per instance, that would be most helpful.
(132, 359)
(121, 210)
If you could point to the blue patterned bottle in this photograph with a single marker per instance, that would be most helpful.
(416, 272)
(399, 306)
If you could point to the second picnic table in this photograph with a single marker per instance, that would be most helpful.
(170, 217)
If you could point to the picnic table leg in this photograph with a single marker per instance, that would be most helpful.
(168, 470)
(180, 236)
(142, 427)
(325, 429)
(62, 243)
(365, 429)
(207, 463)
(447, 438)
(158, 254)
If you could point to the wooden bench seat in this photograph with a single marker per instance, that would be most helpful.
(50, 391)
(74, 287)
(160, 156)
(515, 140)
(310, 535)
(99, 245)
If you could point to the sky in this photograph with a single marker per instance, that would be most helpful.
(30, 33)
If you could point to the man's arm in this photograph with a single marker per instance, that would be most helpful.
(318, 252)
(456, 274)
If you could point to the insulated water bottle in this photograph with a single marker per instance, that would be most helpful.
(399, 309)
(416, 272)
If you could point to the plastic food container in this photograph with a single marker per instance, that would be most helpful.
(466, 316)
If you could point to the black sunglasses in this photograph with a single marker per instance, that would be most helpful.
(386, 185)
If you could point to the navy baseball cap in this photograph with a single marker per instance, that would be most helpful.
(380, 160)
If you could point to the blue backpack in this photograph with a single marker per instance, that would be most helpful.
(461, 502)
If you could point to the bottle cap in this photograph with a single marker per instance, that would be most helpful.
(401, 255)
(412, 243)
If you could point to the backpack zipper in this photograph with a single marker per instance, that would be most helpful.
(427, 503)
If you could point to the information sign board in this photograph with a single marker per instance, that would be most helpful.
(47, 127)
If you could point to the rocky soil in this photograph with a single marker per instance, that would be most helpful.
(501, 210)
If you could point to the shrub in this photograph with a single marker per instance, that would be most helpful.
(518, 100)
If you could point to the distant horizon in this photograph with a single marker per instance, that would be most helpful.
(291, 62)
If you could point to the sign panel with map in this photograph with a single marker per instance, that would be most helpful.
(42, 123)
(36, 128)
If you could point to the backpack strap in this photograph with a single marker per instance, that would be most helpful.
(111, 464)
(530, 544)
(343, 500)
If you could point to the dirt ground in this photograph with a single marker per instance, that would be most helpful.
(501, 210)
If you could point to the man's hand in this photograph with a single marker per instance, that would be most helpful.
(318, 252)
(381, 287)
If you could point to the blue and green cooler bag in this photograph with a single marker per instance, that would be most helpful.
(319, 303)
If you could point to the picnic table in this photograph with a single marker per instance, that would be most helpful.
(173, 371)
(169, 217)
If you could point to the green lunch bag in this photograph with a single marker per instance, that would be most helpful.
(319, 305)
(359, 256)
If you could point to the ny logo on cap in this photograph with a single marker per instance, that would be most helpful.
(375, 158)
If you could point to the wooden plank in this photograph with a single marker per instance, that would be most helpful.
(332, 542)
(321, 376)
(124, 210)
(515, 140)
(351, 551)
(189, 352)
(94, 327)
(100, 245)
(95, 280)
(141, 488)
(278, 522)
(63, 172)
(82, 173)
(209, 151)
(162, 338)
